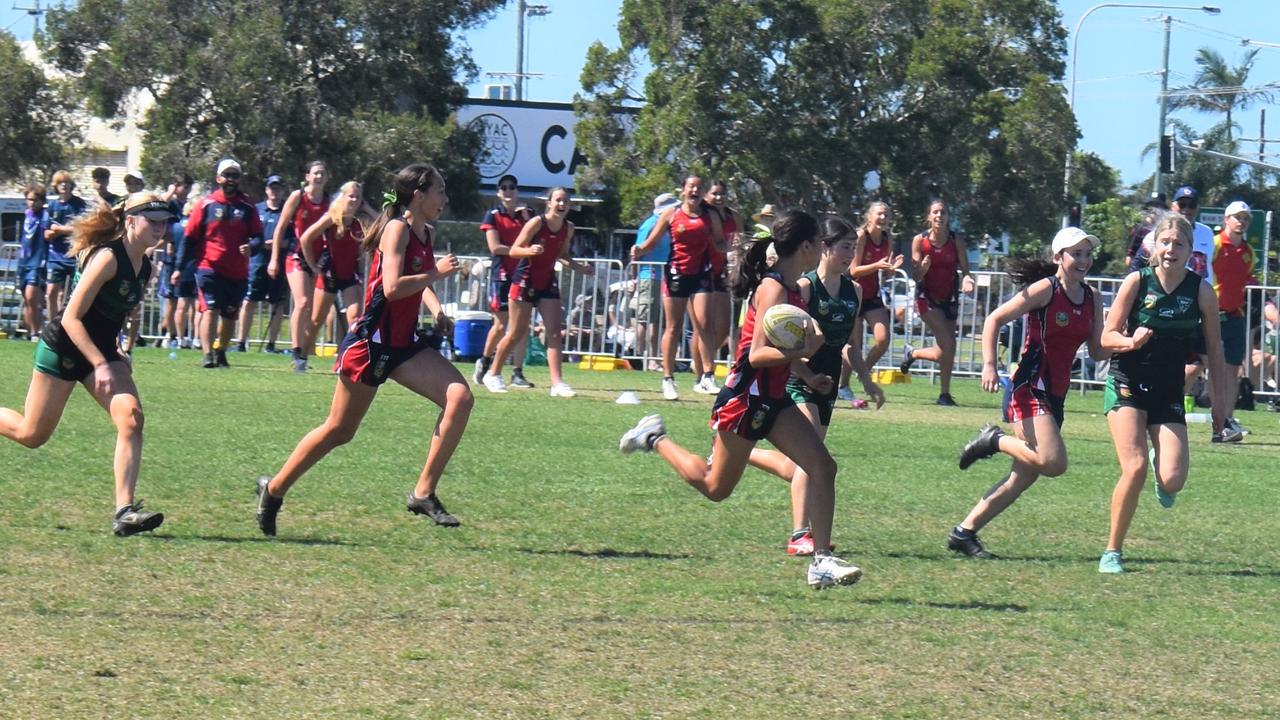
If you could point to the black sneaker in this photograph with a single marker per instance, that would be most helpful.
(132, 519)
(432, 508)
(967, 545)
(209, 362)
(239, 347)
(985, 444)
(482, 367)
(945, 400)
(518, 380)
(268, 507)
(908, 357)
(221, 356)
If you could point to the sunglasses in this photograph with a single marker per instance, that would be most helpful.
(507, 187)
(231, 175)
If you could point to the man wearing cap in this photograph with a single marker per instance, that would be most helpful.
(133, 182)
(1186, 202)
(217, 236)
(1232, 263)
(646, 302)
(262, 287)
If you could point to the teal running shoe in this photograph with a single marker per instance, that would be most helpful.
(1111, 563)
(1164, 497)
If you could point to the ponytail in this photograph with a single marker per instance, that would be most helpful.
(102, 226)
(1026, 271)
(753, 265)
(792, 230)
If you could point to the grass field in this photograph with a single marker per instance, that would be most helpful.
(588, 584)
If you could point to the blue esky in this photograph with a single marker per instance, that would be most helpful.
(1117, 72)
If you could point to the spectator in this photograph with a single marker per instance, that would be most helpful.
(274, 291)
(31, 261)
(133, 182)
(101, 178)
(647, 301)
(60, 263)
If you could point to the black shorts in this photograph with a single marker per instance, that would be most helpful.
(264, 288)
(333, 285)
(69, 364)
(530, 294)
(675, 285)
(870, 303)
(1163, 405)
(802, 393)
(499, 293)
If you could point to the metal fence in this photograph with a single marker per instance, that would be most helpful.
(599, 315)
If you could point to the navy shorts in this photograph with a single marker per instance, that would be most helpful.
(221, 293)
(34, 275)
(264, 288)
(675, 285)
(499, 291)
(58, 272)
(530, 294)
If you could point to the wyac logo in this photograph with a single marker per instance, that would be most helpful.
(497, 144)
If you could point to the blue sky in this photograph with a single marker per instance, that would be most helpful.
(1117, 72)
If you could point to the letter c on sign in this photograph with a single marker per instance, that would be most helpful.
(554, 166)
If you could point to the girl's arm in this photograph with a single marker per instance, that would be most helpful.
(524, 246)
(769, 293)
(395, 238)
(919, 261)
(1113, 328)
(856, 362)
(856, 268)
(565, 252)
(1211, 328)
(307, 243)
(100, 269)
(282, 227)
(962, 260)
(663, 224)
(1096, 350)
(1032, 298)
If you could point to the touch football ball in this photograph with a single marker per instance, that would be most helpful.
(785, 326)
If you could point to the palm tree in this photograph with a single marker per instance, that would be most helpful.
(1220, 89)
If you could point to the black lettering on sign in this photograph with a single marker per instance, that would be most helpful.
(552, 166)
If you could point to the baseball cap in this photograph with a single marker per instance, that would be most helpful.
(765, 212)
(664, 201)
(136, 174)
(1069, 237)
(275, 180)
(1186, 192)
(228, 164)
(1235, 208)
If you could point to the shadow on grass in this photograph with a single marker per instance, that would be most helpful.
(952, 557)
(256, 539)
(607, 553)
(987, 607)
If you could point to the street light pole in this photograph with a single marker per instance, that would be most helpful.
(1157, 185)
(1071, 97)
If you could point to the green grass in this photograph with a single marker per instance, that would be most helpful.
(587, 584)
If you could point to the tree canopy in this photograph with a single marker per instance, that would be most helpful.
(797, 102)
(279, 82)
(33, 134)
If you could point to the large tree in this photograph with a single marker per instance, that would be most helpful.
(796, 102)
(33, 135)
(279, 82)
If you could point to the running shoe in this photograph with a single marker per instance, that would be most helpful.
(172, 344)
(1235, 425)
(844, 394)
(858, 403)
(493, 383)
(1227, 435)
(800, 545)
(641, 437)
(908, 357)
(706, 386)
(482, 367)
(221, 356)
(209, 362)
(268, 507)
(669, 390)
(518, 380)
(945, 400)
(562, 389)
(828, 571)
(1111, 562)
(1164, 497)
(132, 519)
(239, 347)
(967, 544)
(983, 445)
(299, 365)
(432, 508)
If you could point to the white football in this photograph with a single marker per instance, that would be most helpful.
(785, 326)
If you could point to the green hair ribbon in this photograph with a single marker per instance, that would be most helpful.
(388, 199)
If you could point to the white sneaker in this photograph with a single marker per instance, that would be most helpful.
(639, 437)
(494, 384)
(706, 386)
(669, 391)
(560, 389)
(478, 375)
(844, 394)
(828, 571)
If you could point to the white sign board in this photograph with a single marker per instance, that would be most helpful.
(533, 141)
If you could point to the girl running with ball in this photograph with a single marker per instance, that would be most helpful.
(754, 405)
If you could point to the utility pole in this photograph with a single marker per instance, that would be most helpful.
(1262, 136)
(35, 13)
(520, 50)
(1158, 185)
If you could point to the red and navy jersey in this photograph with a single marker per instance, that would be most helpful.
(690, 239)
(394, 323)
(340, 253)
(769, 382)
(216, 230)
(508, 226)
(1054, 334)
(873, 253)
(539, 271)
(717, 260)
(939, 284)
(304, 216)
